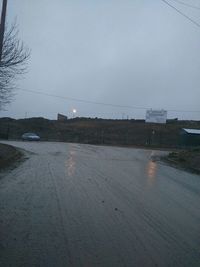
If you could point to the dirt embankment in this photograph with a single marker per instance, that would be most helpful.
(187, 160)
(8, 155)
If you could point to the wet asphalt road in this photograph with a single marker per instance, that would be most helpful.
(81, 205)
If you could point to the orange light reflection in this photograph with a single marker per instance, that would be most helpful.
(151, 172)
(71, 164)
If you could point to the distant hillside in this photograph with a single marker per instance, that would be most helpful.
(98, 131)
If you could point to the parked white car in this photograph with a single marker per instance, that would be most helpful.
(30, 137)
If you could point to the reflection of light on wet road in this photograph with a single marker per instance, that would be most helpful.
(71, 164)
(151, 172)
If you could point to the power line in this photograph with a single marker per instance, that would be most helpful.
(82, 100)
(181, 13)
(186, 4)
(100, 103)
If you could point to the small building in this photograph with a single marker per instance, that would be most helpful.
(61, 117)
(190, 137)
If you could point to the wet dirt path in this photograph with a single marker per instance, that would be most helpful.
(81, 205)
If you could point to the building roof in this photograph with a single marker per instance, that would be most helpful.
(192, 131)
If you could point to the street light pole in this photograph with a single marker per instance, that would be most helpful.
(2, 26)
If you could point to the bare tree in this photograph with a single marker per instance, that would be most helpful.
(13, 56)
(13, 64)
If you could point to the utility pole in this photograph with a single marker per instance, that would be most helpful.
(2, 26)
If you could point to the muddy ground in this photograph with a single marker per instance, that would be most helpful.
(188, 160)
(9, 156)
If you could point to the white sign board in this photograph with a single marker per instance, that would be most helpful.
(156, 116)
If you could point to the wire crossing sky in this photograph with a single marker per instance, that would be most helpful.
(99, 103)
(186, 4)
(181, 13)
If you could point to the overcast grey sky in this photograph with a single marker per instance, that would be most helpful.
(138, 53)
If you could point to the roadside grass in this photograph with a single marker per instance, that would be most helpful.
(186, 159)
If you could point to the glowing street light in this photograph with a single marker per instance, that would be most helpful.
(74, 112)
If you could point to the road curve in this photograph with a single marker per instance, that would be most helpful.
(81, 205)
